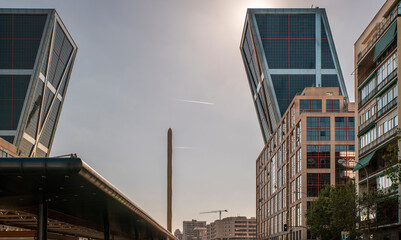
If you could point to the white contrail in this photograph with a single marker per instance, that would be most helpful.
(194, 101)
(184, 148)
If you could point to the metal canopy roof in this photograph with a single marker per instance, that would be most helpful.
(79, 200)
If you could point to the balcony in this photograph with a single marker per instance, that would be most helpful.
(367, 98)
(378, 141)
(367, 123)
(389, 105)
(386, 80)
(380, 30)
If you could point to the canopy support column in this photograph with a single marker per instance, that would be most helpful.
(42, 220)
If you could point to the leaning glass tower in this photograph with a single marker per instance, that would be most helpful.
(284, 51)
(36, 58)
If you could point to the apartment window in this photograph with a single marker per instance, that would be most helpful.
(368, 90)
(284, 172)
(345, 163)
(292, 140)
(387, 69)
(367, 138)
(284, 126)
(345, 128)
(299, 160)
(298, 132)
(310, 106)
(387, 126)
(293, 166)
(318, 156)
(298, 188)
(279, 175)
(387, 101)
(273, 175)
(292, 191)
(284, 152)
(367, 115)
(318, 128)
(284, 197)
(332, 105)
(299, 215)
(316, 182)
(292, 116)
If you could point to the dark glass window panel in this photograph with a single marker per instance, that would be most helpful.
(21, 83)
(318, 156)
(273, 25)
(5, 87)
(5, 26)
(323, 30)
(302, 25)
(29, 25)
(302, 54)
(345, 127)
(316, 182)
(276, 51)
(324, 122)
(332, 105)
(25, 53)
(307, 105)
(299, 82)
(327, 58)
(281, 86)
(318, 128)
(5, 114)
(9, 139)
(283, 105)
(17, 108)
(330, 81)
(5, 54)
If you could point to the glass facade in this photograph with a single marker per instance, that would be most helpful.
(281, 50)
(40, 61)
(332, 105)
(345, 163)
(306, 105)
(318, 156)
(345, 128)
(318, 128)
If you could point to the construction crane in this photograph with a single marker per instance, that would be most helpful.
(216, 211)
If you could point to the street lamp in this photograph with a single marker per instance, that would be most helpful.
(343, 161)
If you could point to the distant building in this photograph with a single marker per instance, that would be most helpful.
(36, 58)
(178, 234)
(232, 228)
(284, 51)
(313, 146)
(194, 230)
(376, 94)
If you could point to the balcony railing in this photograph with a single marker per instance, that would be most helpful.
(367, 123)
(367, 98)
(386, 80)
(380, 30)
(389, 105)
(378, 141)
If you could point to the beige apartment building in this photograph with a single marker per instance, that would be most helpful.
(376, 93)
(232, 228)
(313, 146)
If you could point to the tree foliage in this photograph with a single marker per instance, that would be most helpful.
(334, 211)
(393, 163)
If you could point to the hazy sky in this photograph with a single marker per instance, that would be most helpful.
(138, 60)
